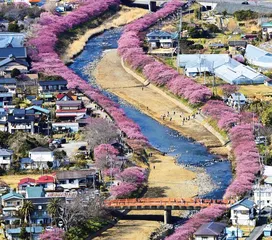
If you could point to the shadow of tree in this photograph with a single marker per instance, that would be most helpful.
(155, 161)
(156, 192)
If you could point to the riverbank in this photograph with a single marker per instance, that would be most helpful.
(122, 17)
(116, 80)
(166, 179)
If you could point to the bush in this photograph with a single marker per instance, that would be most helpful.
(15, 72)
(213, 28)
(243, 15)
(13, 27)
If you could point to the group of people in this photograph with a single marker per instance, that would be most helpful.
(184, 119)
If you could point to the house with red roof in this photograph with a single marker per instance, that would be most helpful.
(47, 182)
(69, 96)
(24, 183)
(70, 110)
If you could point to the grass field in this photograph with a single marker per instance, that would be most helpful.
(12, 180)
(259, 91)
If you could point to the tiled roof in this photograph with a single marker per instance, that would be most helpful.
(210, 229)
(244, 202)
(33, 229)
(39, 109)
(40, 149)
(12, 58)
(74, 174)
(11, 39)
(12, 194)
(46, 179)
(69, 103)
(6, 81)
(26, 180)
(18, 52)
(52, 83)
(5, 152)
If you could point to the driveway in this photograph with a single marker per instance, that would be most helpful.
(71, 147)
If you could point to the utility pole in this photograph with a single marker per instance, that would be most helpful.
(179, 38)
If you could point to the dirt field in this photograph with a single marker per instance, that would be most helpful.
(13, 180)
(124, 16)
(115, 79)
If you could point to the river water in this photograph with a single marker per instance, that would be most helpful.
(161, 137)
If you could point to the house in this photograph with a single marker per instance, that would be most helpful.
(38, 197)
(11, 203)
(211, 231)
(47, 182)
(267, 30)
(243, 213)
(52, 86)
(14, 233)
(9, 83)
(5, 97)
(11, 63)
(41, 156)
(3, 120)
(3, 25)
(69, 110)
(263, 194)
(237, 100)
(11, 40)
(20, 120)
(69, 96)
(237, 44)
(77, 178)
(222, 66)
(39, 111)
(5, 158)
(18, 53)
(26, 163)
(24, 183)
(250, 37)
(161, 39)
(258, 57)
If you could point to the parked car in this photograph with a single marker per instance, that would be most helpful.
(260, 140)
(245, 3)
(82, 148)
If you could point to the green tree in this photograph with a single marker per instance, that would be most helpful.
(267, 117)
(26, 210)
(60, 155)
(54, 207)
(24, 235)
(15, 72)
(224, 13)
(13, 27)
(198, 13)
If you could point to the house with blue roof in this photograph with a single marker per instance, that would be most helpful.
(11, 62)
(161, 39)
(9, 83)
(11, 39)
(11, 203)
(243, 212)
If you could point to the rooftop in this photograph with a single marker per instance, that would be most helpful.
(10, 39)
(12, 194)
(75, 174)
(33, 229)
(7, 81)
(53, 83)
(12, 58)
(38, 109)
(267, 24)
(5, 152)
(210, 229)
(40, 149)
(69, 103)
(46, 179)
(26, 180)
(18, 52)
(159, 33)
(34, 192)
(244, 202)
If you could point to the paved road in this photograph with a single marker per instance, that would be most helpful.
(71, 147)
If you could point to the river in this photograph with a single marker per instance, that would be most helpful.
(188, 152)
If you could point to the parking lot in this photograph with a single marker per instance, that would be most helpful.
(72, 147)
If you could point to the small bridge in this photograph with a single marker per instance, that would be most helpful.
(166, 204)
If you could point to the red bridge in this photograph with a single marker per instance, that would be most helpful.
(166, 204)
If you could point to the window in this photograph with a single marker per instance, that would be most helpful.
(204, 238)
(18, 203)
(71, 180)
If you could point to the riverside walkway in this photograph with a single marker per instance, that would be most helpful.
(166, 204)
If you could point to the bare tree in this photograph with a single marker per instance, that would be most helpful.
(81, 209)
(100, 131)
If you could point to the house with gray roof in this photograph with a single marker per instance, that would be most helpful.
(11, 39)
(11, 62)
(9, 83)
(52, 86)
(40, 157)
(211, 231)
(243, 213)
(258, 57)
(5, 158)
(222, 66)
(161, 39)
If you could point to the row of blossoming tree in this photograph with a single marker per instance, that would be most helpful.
(237, 125)
(45, 59)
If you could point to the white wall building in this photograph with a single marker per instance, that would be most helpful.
(41, 156)
(263, 195)
(242, 213)
(5, 158)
